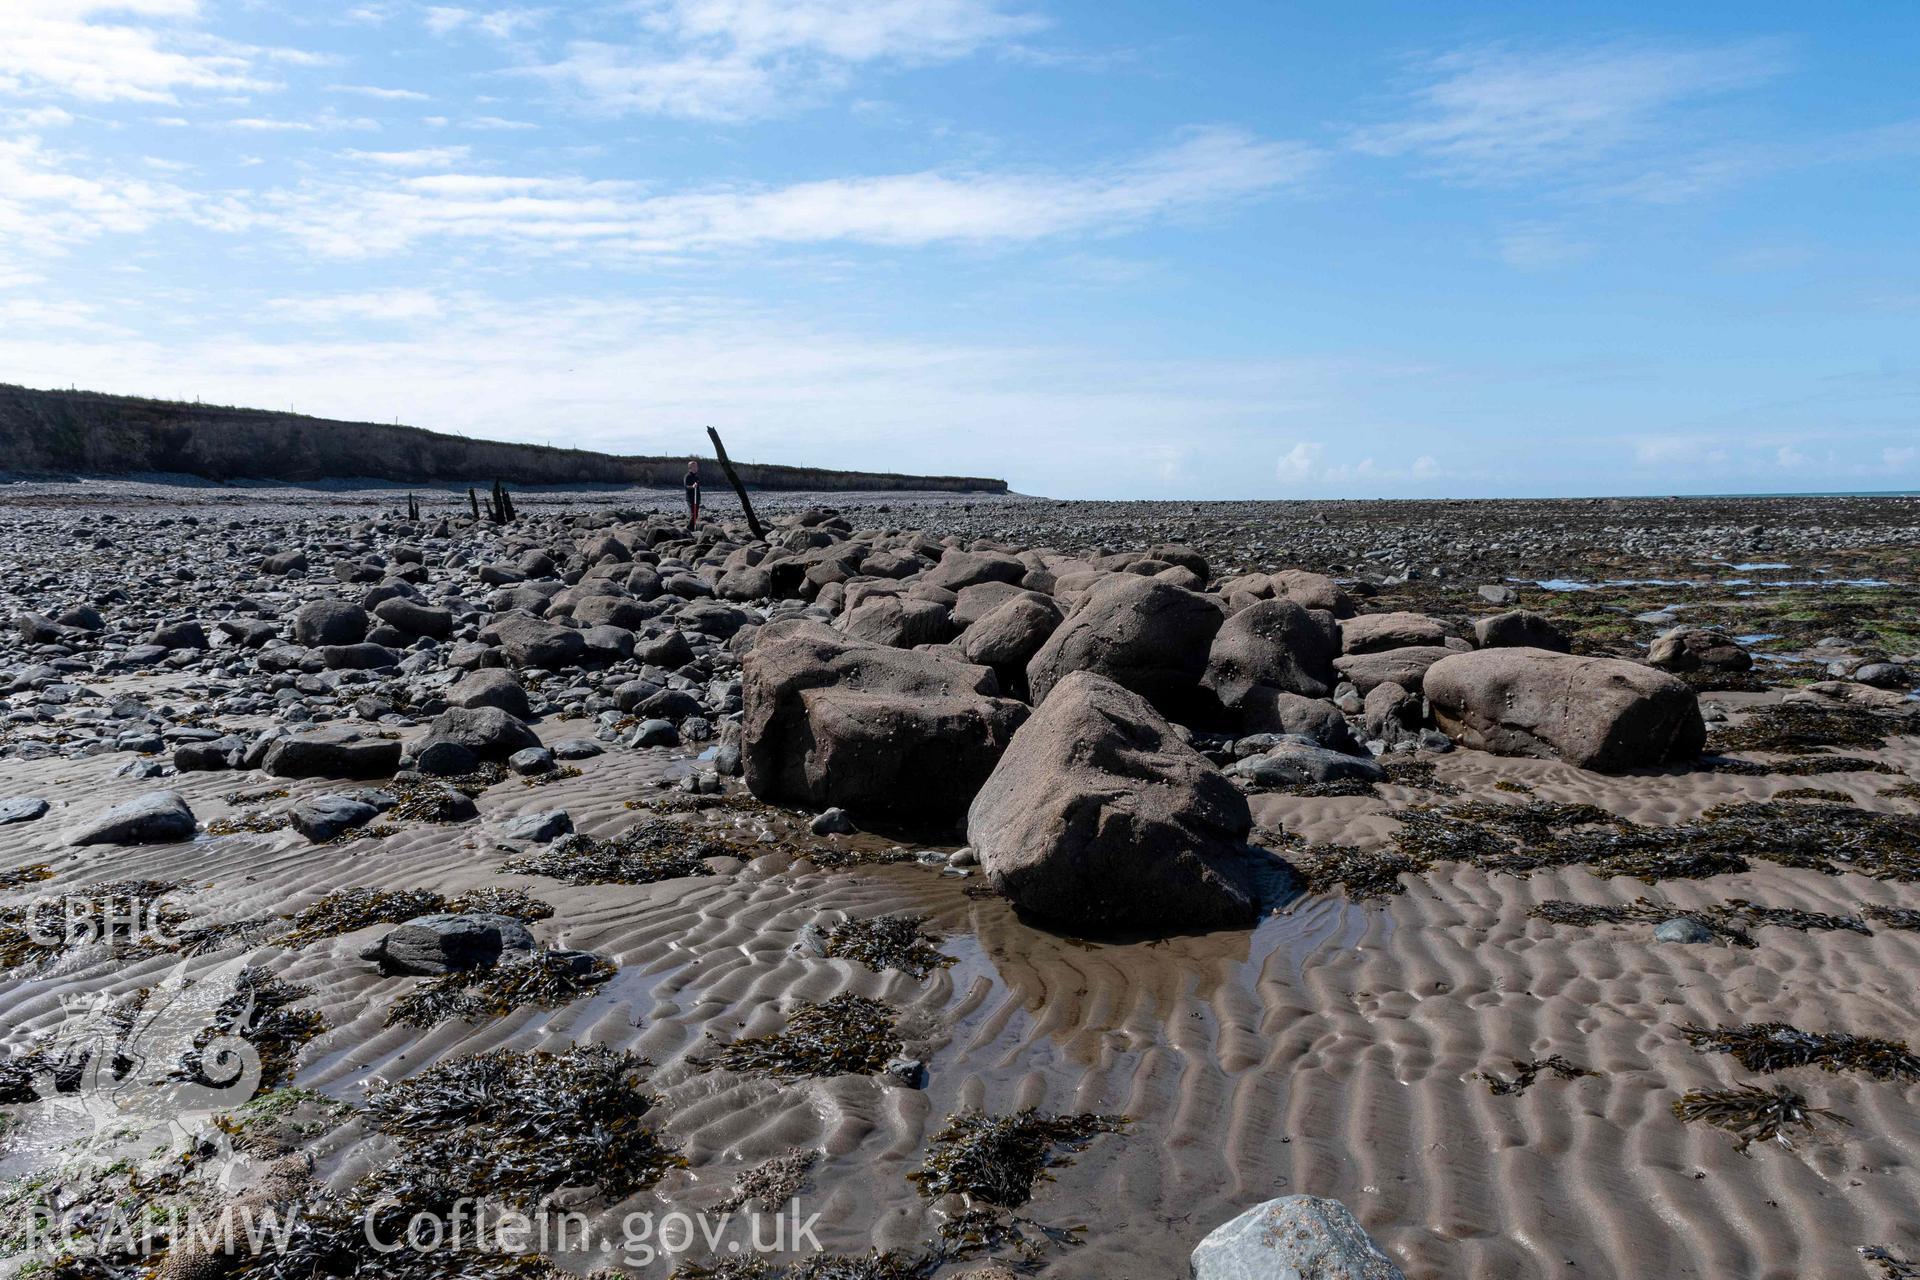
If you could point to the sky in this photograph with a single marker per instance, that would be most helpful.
(1100, 248)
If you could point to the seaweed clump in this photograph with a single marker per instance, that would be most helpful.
(1802, 767)
(1363, 874)
(650, 850)
(1639, 911)
(872, 1265)
(1775, 1046)
(1753, 1114)
(847, 1035)
(1798, 728)
(349, 910)
(1894, 917)
(1890, 1267)
(517, 903)
(259, 824)
(510, 1127)
(1526, 1073)
(772, 1184)
(887, 942)
(524, 1124)
(129, 917)
(15, 877)
(1418, 774)
(997, 1160)
(260, 1011)
(547, 979)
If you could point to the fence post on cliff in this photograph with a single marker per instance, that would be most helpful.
(720, 451)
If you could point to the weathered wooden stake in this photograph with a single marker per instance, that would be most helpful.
(720, 451)
(474, 499)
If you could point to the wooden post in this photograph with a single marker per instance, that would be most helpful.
(720, 451)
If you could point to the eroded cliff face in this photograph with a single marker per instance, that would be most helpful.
(91, 432)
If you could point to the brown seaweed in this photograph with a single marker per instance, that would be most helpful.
(1753, 1114)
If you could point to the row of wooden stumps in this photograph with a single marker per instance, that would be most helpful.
(499, 504)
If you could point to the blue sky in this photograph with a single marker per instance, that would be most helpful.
(1120, 249)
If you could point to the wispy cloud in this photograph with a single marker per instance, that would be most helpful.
(384, 305)
(1499, 116)
(737, 59)
(501, 24)
(124, 50)
(422, 158)
(1204, 171)
(50, 201)
(380, 92)
(1540, 246)
(1305, 466)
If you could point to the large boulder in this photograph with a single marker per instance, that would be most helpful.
(321, 818)
(159, 817)
(1099, 816)
(1697, 649)
(1145, 634)
(1276, 645)
(449, 943)
(1519, 629)
(320, 622)
(1605, 714)
(1404, 667)
(415, 617)
(1292, 1238)
(488, 732)
(892, 735)
(1008, 635)
(490, 687)
(1298, 762)
(958, 570)
(896, 621)
(535, 642)
(1311, 591)
(1378, 632)
(1270, 710)
(335, 751)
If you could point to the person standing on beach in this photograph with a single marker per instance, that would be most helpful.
(693, 493)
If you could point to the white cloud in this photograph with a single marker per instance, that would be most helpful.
(326, 121)
(422, 158)
(501, 24)
(1537, 246)
(1300, 462)
(1305, 465)
(122, 50)
(1495, 116)
(378, 91)
(736, 59)
(904, 210)
(50, 201)
(385, 304)
(1899, 457)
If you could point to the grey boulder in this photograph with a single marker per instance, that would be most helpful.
(159, 817)
(1292, 1238)
(321, 818)
(448, 943)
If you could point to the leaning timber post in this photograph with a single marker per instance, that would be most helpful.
(720, 451)
(474, 499)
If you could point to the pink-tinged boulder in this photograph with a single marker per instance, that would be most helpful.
(1604, 714)
(1100, 817)
(894, 736)
(1143, 633)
